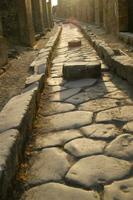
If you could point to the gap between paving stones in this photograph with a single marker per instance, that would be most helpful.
(17, 116)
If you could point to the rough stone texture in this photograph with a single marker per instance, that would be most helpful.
(55, 108)
(67, 120)
(98, 169)
(55, 81)
(121, 147)
(117, 95)
(3, 51)
(49, 165)
(56, 191)
(121, 190)
(83, 83)
(9, 152)
(18, 112)
(35, 78)
(63, 95)
(99, 104)
(128, 127)
(84, 147)
(56, 138)
(102, 131)
(123, 113)
(78, 70)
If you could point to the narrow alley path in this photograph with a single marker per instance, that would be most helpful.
(83, 133)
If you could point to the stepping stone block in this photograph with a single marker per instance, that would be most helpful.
(74, 43)
(79, 70)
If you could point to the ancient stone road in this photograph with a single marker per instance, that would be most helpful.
(84, 134)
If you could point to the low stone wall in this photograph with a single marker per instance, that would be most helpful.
(118, 61)
(16, 118)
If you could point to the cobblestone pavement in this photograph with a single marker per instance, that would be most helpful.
(84, 133)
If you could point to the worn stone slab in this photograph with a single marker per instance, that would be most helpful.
(67, 120)
(99, 104)
(123, 113)
(122, 190)
(40, 66)
(101, 131)
(35, 78)
(56, 138)
(82, 83)
(52, 108)
(9, 152)
(63, 95)
(121, 147)
(56, 191)
(89, 94)
(84, 147)
(49, 165)
(117, 95)
(53, 89)
(18, 112)
(99, 169)
(78, 70)
(55, 81)
(128, 127)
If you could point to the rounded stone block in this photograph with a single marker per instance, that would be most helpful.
(95, 170)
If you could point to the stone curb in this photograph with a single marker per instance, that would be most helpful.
(118, 61)
(17, 116)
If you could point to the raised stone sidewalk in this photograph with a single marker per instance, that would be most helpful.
(83, 145)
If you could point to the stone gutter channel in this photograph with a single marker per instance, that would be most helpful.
(17, 116)
(118, 62)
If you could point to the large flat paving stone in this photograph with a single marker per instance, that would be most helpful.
(82, 83)
(78, 70)
(128, 127)
(84, 147)
(120, 190)
(89, 94)
(123, 113)
(101, 131)
(55, 108)
(56, 138)
(99, 104)
(63, 95)
(121, 147)
(67, 120)
(56, 191)
(49, 165)
(98, 169)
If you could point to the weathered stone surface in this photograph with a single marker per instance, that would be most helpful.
(3, 51)
(123, 113)
(55, 81)
(56, 191)
(16, 112)
(80, 83)
(56, 138)
(121, 147)
(121, 190)
(128, 127)
(117, 95)
(67, 120)
(89, 94)
(98, 169)
(33, 78)
(84, 147)
(63, 95)
(102, 131)
(40, 66)
(49, 165)
(9, 151)
(78, 70)
(55, 108)
(99, 104)
(53, 89)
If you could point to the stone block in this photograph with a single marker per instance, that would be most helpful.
(74, 43)
(79, 70)
(10, 143)
(3, 51)
(18, 113)
(39, 78)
